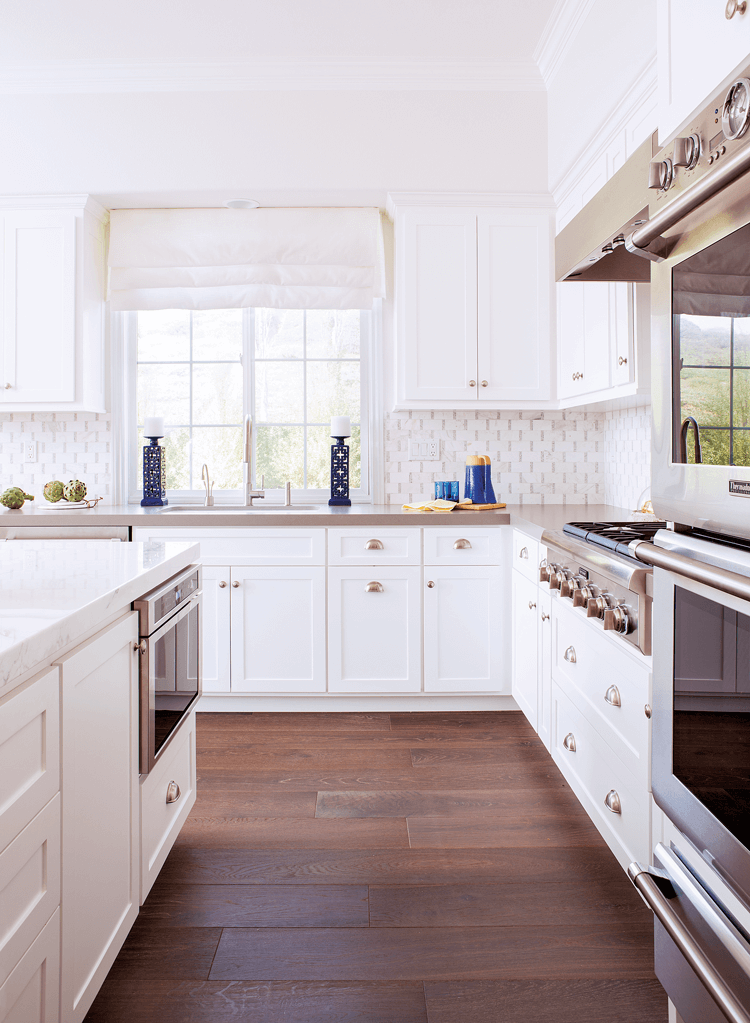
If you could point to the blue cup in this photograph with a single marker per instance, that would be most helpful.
(451, 491)
(439, 491)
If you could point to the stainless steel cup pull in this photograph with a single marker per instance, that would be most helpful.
(374, 545)
(173, 792)
(524, 552)
(374, 587)
(612, 696)
(612, 802)
(461, 545)
(569, 742)
(570, 655)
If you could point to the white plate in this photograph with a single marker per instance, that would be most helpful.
(62, 504)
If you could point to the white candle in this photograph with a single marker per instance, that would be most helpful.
(153, 426)
(341, 426)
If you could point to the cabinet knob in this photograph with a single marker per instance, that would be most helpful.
(532, 605)
(472, 383)
(140, 647)
(236, 583)
(462, 545)
(173, 792)
(612, 697)
(569, 742)
(545, 616)
(374, 588)
(374, 545)
(222, 584)
(734, 7)
(570, 655)
(612, 802)
(647, 710)
(484, 383)
(430, 584)
(621, 361)
(8, 387)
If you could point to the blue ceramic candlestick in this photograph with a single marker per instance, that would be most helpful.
(154, 474)
(339, 472)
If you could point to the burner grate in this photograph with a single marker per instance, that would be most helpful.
(613, 536)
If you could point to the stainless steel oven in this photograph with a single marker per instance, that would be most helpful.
(170, 662)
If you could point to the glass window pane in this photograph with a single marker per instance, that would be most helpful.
(217, 334)
(741, 397)
(279, 396)
(164, 390)
(741, 448)
(319, 458)
(705, 340)
(333, 334)
(332, 390)
(164, 334)
(742, 341)
(279, 333)
(217, 393)
(280, 456)
(714, 447)
(221, 450)
(705, 396)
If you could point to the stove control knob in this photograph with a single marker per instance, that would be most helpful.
(687, 150)
(598, 606)
(582, 596)
(570, 587)
(660, 174)
(616, 619)
(558, 578)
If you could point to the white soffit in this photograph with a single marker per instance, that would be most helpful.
(559, 33)
(270, 74)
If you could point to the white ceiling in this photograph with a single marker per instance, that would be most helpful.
(225, 30)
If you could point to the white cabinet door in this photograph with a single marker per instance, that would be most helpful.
(436, 256)
(621, 332)
(100, 833)
(31, 994)
(584, 345)
(39, 321)
(463, 639)
(375, 630)
(596, 355)
(525, 607)
(698, 49)
(278, 630)
(215, 635)
(570, 339)
(513, 306)
(544, 665)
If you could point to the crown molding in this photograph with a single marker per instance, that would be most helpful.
(559, 33)
(70, 201)
(271, 73)
(459, 200)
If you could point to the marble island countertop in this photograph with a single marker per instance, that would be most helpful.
(55, 592)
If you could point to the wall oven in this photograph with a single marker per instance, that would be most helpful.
(170, 662)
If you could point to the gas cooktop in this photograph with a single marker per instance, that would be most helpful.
(613, 536)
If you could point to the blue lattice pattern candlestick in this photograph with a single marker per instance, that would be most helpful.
(340, 430)
(154, 464)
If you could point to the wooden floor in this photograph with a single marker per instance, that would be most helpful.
(402, 868)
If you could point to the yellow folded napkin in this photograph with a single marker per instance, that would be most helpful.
(439, 505)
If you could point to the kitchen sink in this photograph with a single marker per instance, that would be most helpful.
(241, 508)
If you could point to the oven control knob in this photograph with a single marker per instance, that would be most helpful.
(582, 596)
(616, 619)
(598, 606)
(660, 174)
(686, 151)
(570, 587)
(558, 578)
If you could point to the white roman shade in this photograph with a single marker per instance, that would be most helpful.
(227, 259)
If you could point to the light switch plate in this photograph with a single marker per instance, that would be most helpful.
(31, 451)
(424, 450)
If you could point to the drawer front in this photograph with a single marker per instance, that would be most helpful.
(594, 772)
(161, 820)
(375, 546)
(608, 685)
(30, 885)
(29, 753)
(526, 555)
(32, 991)
(462, 545)
(256, 546)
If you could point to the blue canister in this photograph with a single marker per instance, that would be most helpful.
(475, 477)
(489, 493)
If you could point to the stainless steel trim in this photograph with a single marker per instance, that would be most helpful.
(374, 587)
(604, 563)
(719, 578)
(650, 883)
(465, 545)
(145, 604)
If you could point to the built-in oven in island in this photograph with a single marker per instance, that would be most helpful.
(170, 661)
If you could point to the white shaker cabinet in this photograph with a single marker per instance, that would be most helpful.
(100, 833)
(52, 323)
(525, 614)
(31, 993)
(374, 629)
(215, 631)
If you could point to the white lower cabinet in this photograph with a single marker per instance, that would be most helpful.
(100, 832)
(31, 994)
(544, 664)
(375, 634)
(524, 599)
(463, 633)
(215, 632)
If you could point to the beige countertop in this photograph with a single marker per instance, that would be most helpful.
(532, 518)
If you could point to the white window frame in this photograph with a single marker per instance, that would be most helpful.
(128, 489)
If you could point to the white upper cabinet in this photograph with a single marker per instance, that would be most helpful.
(699, 49)
(54, 290)
(472, 305)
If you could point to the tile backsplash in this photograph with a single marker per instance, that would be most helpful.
(71, 445)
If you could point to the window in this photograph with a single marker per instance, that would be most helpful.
(290, 369)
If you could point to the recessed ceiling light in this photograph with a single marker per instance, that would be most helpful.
(242, 204)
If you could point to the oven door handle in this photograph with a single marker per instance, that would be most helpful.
(719, 578)
(650, 884)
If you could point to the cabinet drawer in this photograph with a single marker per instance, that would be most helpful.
(526, 554)
(462, 545)
(258, 546)
(161, 820)
(29, 752)
(32, 991)
(375, 546)
(596, 675)
(30, 884)
(593, 771)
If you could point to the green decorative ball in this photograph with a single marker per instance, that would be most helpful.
(53, 491)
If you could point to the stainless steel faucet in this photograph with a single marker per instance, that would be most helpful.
(247, 461)
(206, 481)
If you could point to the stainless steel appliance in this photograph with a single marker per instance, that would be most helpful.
(170, 663)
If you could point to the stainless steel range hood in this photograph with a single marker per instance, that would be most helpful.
(592, 246)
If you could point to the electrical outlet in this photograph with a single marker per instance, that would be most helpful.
(433, 450)
(31, 449)
(424, 450)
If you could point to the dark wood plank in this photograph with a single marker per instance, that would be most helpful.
(507, 905)
(184, 952)
(519, 830)
(270, 801)
(403, 738)
(431, 803)
(515, 751)
(290, 758)
(506, 721)
(131, 1001)
(292, 833)
(296, 721)
(185, 905)
(455, 953)
(559, 1001)
(216, 865)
